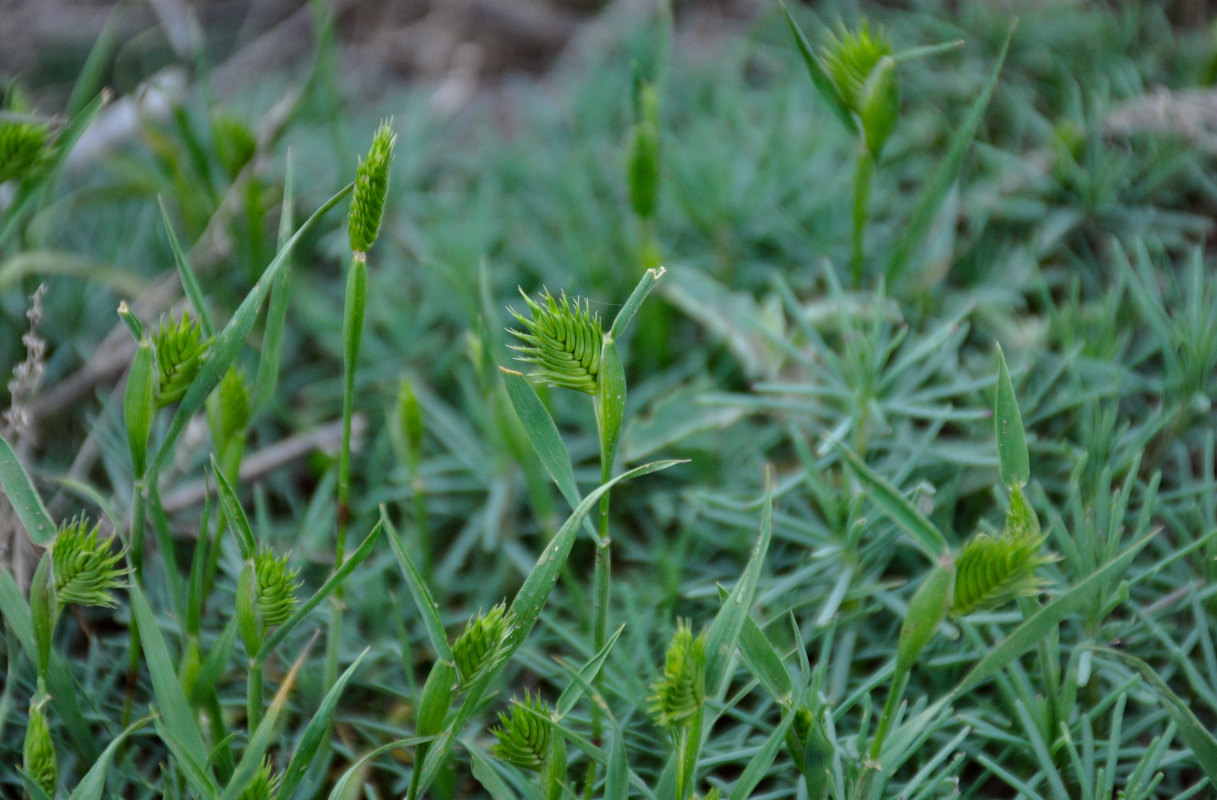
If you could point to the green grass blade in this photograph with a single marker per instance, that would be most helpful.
(263, 736)
(341, 574)
(525, 609)
(765, 663)
(897, 507)
(24, 497)
(586, 676)
(237, 520)
(948, 170)
(228, 342)
(626, 315)
(542, 433)
(341, 790)
(759, 766)
(617, 776)
(819, 77)
(185, 739)
(427, 607)
(190, 281)
(93, 783)
(1008, 421)
(485, 774)
(724, 632)
(276, 313)
(315, 733)
(1193, 731)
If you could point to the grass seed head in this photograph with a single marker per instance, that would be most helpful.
(180, 350)
(678, 694)
(371, 188)
(86, 568)
(38, 753)
(523, 734)
(482, 645)
(562, 340)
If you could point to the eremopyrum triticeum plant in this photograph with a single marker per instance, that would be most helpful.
(38, 754)
(482, 644)
(24, 143)
(180, 350)
(862, 69)
(562, 340)
(86, 567)
(680, 692)
(266, 595)
(371, 189)
(526, 739)
(993, 570)
(677, 698)
(264, 785)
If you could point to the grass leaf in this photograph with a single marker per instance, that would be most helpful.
(24, 497)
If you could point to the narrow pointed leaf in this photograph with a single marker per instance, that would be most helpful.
(542, 433)
(427, 607)
(24, 498)
(724, 632)
(820, 77)
(233, 512)
(1008, 421)
(896, 506)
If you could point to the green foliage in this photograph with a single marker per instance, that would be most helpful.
(857, 643)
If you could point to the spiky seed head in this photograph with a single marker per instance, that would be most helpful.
(23, 149)
(180, 350)
(276, 588)
(851, 57)
(234, 143)
(86, 567)
(264, 785)
(992, 570)
(678, 694)
(371, 188)
(482, 645)
(38, 753)
(523, 734)
(562, 340)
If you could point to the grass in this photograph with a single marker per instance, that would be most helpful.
(909, 498)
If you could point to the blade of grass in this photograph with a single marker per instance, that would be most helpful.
(542, 433)
(427, 607)
(1011, 438)
(186, 741)
(276, 313)
(228, 342)
(263, 735)
(233, 512)
(819, 77)
(724, 631)
(948, 170)
(1201, 741)
(626, 315)
(586, 677)
(758, 766)
(190, 282)
(24, 497)
(93, 783)
(315, 732)
(896, 506)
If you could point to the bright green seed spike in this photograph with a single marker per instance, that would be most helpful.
(180, 350)
(562, 340)
(85, 566)
(523, 735)
(371, 188)
(678, 694)
(990, 571)
(851, 57)
(275, 589)
(38, 753)
(481, 646)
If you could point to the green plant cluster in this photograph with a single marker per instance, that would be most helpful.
(869, 447)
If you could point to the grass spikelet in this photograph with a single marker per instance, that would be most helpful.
(562, 340)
